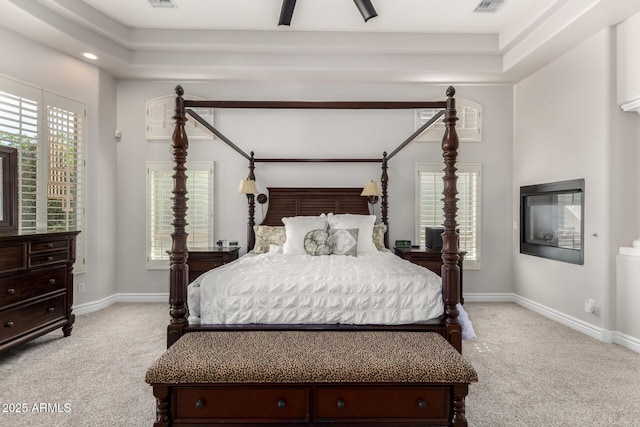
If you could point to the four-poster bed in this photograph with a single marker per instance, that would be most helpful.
(447, 388)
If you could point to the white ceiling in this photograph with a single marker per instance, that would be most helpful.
(441, 41)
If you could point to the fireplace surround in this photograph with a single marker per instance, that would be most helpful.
(552, 220)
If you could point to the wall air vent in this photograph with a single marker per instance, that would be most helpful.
(489, 6)
(163, 3)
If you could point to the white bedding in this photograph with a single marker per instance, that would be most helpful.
(378, 288)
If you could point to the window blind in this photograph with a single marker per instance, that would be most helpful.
(429, 213)
(160, 209)
(50, 143)
(468, 126)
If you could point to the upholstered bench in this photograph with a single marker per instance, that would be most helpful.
(311, 378)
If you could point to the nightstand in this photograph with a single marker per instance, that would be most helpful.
(202, 260)
(429, 258)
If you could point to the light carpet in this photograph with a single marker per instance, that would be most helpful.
(532, 372)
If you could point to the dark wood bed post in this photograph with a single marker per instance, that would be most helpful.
(384, 210)
(251, 237)
(179, 272)
(450, 271)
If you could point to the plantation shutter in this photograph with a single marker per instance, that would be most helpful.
(160, 209)
(20, 107)
(65, 196)
(429, 188)
(160, 123)
(468, 126)
(48, 131)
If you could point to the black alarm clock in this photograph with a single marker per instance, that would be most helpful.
(403, 243)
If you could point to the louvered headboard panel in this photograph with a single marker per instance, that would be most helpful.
(284, 202)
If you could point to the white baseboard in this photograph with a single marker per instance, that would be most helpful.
(604, 335)
(563, 318)
(627, 341)
(106, 302)
(489, 297)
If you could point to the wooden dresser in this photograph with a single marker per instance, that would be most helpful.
(202, 260)
(36, 285)
(431, 259)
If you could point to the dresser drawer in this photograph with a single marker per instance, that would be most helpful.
(24, 318)
(205, 264)
(368, 402)
(233, 404)
(18, 288)
(49, 245)
(50, 258)
(12, 257)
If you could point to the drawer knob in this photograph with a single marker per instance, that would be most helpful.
(200, 404)
(340, 404)
(49, 245)
(9, 325)
(11, 291)
(422, 404)
(51, 309)
(52, 281)
(282, 403)
(49, 258)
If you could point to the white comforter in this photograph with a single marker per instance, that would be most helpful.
(378, 288)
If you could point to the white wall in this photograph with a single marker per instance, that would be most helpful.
(304, 133)
(568, 126)
(31, 63)
(628, 60)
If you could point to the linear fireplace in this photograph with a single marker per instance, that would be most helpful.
(551, 220)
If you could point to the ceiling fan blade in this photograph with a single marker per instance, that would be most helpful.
(287, 12)
(366, 9)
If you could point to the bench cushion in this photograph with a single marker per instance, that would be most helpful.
(310, 357)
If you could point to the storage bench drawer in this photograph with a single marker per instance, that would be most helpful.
(368, 402)
(226, 404)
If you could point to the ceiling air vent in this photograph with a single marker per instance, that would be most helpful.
(489, 6)
(162, 3)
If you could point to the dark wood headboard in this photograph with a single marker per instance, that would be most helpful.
(285, 202)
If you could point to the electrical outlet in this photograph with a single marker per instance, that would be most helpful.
(589, 305)
(81, 287)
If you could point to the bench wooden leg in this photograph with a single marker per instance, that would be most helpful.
(161, 394)
(458, 418)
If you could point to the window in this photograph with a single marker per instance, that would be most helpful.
(48, 132)
(429, 188)
(160, 123)
(160, 209)
(468, 126)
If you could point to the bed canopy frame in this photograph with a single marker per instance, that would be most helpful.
(449, 325)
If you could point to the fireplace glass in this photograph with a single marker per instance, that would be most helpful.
(551, 220)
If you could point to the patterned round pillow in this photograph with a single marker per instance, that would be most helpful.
(316, 242)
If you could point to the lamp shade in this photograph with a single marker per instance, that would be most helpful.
(247, 186)
(371, 188)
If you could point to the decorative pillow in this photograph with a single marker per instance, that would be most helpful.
(268, 235)
(275, 249)
(343, 241)
(316, 242)
(296, 228)
(364, 224)
(378, 236)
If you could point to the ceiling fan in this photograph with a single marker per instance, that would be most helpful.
(364, 6)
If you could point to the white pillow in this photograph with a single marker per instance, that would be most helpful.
(364, 224)
(296, 227)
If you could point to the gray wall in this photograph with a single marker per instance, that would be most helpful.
(297, 133)
(33, 64)
(568, 126)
